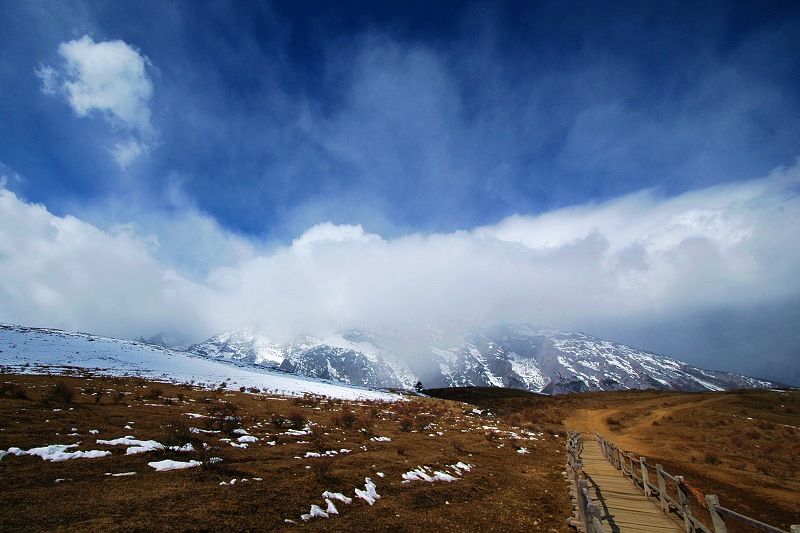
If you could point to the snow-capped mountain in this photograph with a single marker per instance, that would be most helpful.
(351, 357)
(45, 351)
(518, 356)
(242, 344)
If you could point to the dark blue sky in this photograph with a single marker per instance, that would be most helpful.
(429, 116)
(636, 162)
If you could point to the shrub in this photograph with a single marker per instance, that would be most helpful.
(424, 421)
(297, 420)
(365, 424)
(317, 439)
(118, 397)
(60, 393)
(279, 421)
(154, 394)
(321, 468)
(15, 390)
(176, 433)
(406, 423)
(763, 424)
(613, 421)
(711, 458)
(345, 420)
(224, 418)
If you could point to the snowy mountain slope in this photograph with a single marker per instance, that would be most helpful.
(518, 356)
(242, 344)
(351, 357)
(38, 350)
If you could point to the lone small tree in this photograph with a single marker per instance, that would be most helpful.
(418, 387)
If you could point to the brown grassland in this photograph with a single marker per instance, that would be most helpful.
(741, 445)
(504, 490)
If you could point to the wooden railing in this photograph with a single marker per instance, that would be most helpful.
(637, 469)
(586, 514)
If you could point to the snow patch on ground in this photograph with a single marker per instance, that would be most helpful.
(169, 464)
(58, 452)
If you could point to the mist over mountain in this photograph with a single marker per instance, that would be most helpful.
(513, 355)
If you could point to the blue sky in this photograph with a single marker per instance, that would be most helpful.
(628, 169)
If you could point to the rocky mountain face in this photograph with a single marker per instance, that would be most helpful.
(518, 356)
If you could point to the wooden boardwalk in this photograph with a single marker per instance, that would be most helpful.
(623, 506)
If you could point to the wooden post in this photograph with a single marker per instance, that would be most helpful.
(580, 485)
(593, 524)
(716, 519)
(633, 466)
(645, 478)
(662, 489)
(686, 509)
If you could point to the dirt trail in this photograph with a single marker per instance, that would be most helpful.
(636, 433)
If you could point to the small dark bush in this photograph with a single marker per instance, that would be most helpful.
(406, 423)
(297, 420)
(711, 458)
(154, 394)
(365, 424)
(317, 439)
(424, 421)
(118, 397)
(176, 433)
(346, 420)
(14, 390)
(59, 393)
(321, 468)
(223, 418)
(279, 421)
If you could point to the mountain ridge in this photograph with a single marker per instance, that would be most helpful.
(510, 355)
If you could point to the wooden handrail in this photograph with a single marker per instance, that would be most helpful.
(587, 513)
(681, 508)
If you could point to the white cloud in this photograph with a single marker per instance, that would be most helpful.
(328, 232)
(63, 272)
(126, 152)
(108, 78)
(639, 255)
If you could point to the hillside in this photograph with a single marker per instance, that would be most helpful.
(436, 465)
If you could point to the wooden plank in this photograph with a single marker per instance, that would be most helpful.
(623, 507)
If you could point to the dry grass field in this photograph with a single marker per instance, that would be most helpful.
(278, 476)
(743, 446)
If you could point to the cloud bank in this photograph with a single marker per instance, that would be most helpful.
(639, 259)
